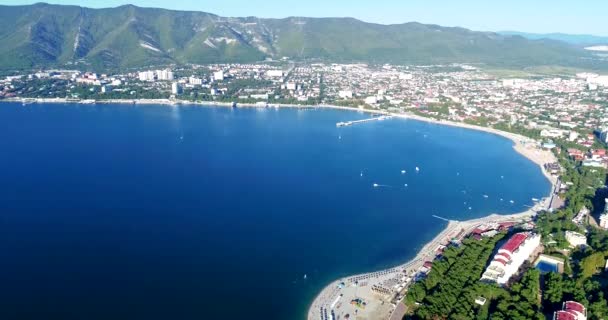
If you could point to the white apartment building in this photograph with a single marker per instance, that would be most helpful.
(195, 81)
(176, 88)
(576, 239)
(345, 94)
(146, 76)
(164, 75)
(274, 73)
(218, 76)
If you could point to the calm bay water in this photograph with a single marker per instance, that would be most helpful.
(157, 212)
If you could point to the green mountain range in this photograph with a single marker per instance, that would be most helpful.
(43, 35)
(575, 39)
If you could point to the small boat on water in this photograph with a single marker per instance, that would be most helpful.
(512, 201)
(376, 185)
(535, 200)
(402, 171)
(417, 169)
(485, 196)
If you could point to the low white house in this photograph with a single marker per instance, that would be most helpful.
(576, 239)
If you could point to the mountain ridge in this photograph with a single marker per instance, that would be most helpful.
(575, 39)
(42, 35)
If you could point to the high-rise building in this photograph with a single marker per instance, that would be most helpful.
(176, 88)
(146, 76)
(164, 75)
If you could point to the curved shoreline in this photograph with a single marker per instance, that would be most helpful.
(523, 145)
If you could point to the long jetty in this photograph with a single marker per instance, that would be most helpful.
(350, 123)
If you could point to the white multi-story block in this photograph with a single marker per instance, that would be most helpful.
(576, 239)
(218, 76)
(164, 75)
(510, 257)
(274, 73)
(292, 86)
(345, 94)
(176, 88)
(195, 81)
(146, 76)
(371, 100)
(405, 76)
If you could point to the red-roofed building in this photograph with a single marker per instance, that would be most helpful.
(571, 310)
(505, 225)
(576, 154)
(510, 257)
(564, 315)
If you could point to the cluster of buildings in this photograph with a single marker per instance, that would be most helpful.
(597, 158)
(569, 108)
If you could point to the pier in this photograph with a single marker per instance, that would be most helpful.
(441, 218)
(350, 123)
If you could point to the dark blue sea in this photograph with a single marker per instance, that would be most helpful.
(159, 212)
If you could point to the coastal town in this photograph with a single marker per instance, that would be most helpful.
(558, 122)
(571, 108)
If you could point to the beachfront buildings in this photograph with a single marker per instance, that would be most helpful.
(571, 310)
(510, 257)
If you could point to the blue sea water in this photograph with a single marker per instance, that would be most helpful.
(158, 212)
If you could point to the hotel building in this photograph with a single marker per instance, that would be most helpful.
(510, 257)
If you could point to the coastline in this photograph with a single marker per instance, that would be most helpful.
(523, 145)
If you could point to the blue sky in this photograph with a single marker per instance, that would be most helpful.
(543, 16)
